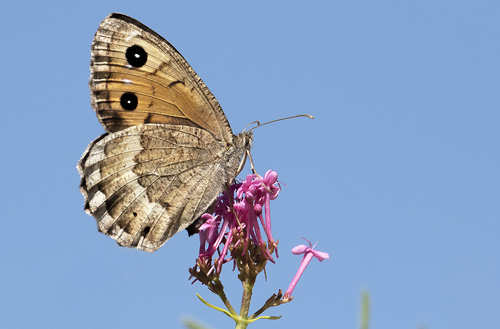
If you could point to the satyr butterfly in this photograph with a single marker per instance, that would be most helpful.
(168, 150)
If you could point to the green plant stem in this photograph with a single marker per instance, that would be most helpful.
(223, 297)
(241, 325)
(248, 284)
(365, 310)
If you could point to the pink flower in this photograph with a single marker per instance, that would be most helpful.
(208, 234)
(309, 253)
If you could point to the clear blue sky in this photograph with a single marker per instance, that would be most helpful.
(397, 177)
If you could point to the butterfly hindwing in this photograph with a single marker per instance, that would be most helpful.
(136, 181)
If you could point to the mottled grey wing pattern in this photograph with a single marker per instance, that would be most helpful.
(145, 183)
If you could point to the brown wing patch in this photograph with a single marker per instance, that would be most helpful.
(130, 59)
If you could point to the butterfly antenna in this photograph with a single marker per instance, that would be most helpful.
(266, 123)
(251, 123)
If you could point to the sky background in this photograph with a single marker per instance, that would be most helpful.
(397, 177)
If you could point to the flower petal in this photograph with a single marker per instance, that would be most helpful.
(320, 255)
(300, 249)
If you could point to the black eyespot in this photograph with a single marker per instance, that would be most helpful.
(147, 229)
(135, 214)
(136, 56)
(129, 101)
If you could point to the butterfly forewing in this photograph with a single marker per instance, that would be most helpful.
(138, 77)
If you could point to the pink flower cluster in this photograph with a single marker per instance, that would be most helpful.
(236, 221)
(236, 233)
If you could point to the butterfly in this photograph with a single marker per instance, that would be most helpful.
(168, 150)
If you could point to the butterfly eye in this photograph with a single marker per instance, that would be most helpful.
(129, 101)
(136, 56)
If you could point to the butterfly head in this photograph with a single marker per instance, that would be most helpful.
(247, 139)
